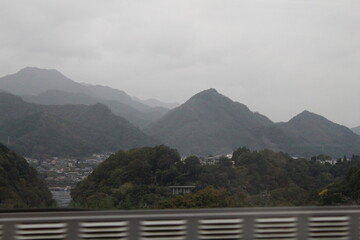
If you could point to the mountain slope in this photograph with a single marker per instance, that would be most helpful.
(51, 87)
(20, 186)
(316, 134)
(209, 123)
(33, 81)
(136, 117)
(156, 103)
(356, 130)
(66, 130)
(13, 107)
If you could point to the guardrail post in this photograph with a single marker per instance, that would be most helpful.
(354, 226)
(72, 230)
(192, 229)
(249, 231)
(8, 230)
(134, 229)
(302, 227)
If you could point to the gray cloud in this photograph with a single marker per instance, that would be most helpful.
(277, 56)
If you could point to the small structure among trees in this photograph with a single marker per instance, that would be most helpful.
(181, 189)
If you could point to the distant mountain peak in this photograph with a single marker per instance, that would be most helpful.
(36, 70)
(33, 81)
(209, 123)
(306, 112)
(28, 68)
(211, 90)
(307, 115)
(210, 93)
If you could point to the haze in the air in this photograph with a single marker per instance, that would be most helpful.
(279, 57)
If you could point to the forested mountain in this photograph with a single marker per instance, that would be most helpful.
(65, 130)
(356, 130)
(210, 123)
(44, 86)
(133, 115)
(20, 186)
(139, 178)
(316, 134)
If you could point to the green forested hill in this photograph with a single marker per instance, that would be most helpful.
(132, 114)
(139, 178)
(315, 134)
(134, 179)
(210, 123)
(20, 186)
(65, 130)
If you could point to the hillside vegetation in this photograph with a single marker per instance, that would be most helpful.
(139, 178)
(20, 186)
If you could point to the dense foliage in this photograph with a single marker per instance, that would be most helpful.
(20, 186)
(347, 190)
(140, 178)
(134, 179)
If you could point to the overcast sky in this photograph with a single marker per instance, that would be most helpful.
(279, 57)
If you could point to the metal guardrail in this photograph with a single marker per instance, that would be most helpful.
(206, 224)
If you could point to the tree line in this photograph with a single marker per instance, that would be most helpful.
(139, 178)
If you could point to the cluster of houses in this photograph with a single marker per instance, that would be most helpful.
(61, 174)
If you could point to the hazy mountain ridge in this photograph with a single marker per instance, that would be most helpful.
(45, 86)
(316, 134)
(66, 130)
(156, 103)
(136, 117)
(33, 81)
(210, 123)
(356, 130)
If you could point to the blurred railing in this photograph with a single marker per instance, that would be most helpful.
(215, 224)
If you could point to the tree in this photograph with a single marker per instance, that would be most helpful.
(208, 197)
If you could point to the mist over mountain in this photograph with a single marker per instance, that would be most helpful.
(65, 130)
(156, 103)
(44, 86)
(136, 117)
(33, 81)
(210, 123)
(356, 130)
